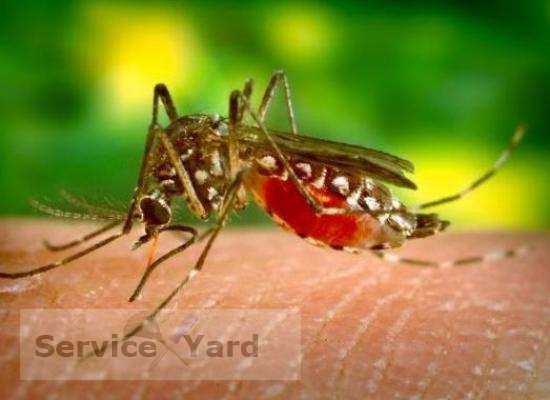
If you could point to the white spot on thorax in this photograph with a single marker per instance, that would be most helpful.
(186, 155)
(212, 192)
(216, 168)
(201, 176)
(341, 184)
(168, 183)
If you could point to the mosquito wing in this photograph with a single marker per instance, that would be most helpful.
(376, 164)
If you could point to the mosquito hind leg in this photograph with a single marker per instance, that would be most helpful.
(516, 139)
(487, 257)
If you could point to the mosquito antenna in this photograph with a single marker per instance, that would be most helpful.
(84, 216)
(94, 210)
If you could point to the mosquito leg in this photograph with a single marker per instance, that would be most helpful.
(183, 175)
(278, 78)
(236, 115)
(308, 197)
(487, 257)
(231, 196)
(193, 239)
(516, 139)
(161, 93)
(247, 93)
(85, 238)
(66, 260)
(125, 230)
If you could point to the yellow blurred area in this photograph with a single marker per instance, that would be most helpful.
(421, 77)
(300, 33)
(134, 48)
(505, 201)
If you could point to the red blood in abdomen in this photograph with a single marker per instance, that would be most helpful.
(282, 199)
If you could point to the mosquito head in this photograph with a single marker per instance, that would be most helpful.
(218, 125)
(214, 123)
(155, 210)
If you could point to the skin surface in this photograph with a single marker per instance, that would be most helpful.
(369, 329)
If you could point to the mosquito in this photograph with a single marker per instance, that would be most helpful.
(329, 193)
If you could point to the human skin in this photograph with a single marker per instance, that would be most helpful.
(369, 329)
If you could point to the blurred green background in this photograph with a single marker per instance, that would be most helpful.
(443, 85)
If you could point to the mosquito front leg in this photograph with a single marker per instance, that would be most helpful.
(278, 78)
(181, 228)
(66, 260)
(183, 175)
(231, 196)
(516, 139)
(162, 94)
(125, 229)
(85, 238)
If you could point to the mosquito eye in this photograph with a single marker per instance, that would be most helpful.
(154, 211)
(219, 128)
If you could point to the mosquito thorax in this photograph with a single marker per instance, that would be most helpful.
(195, 123)
(200, 142)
